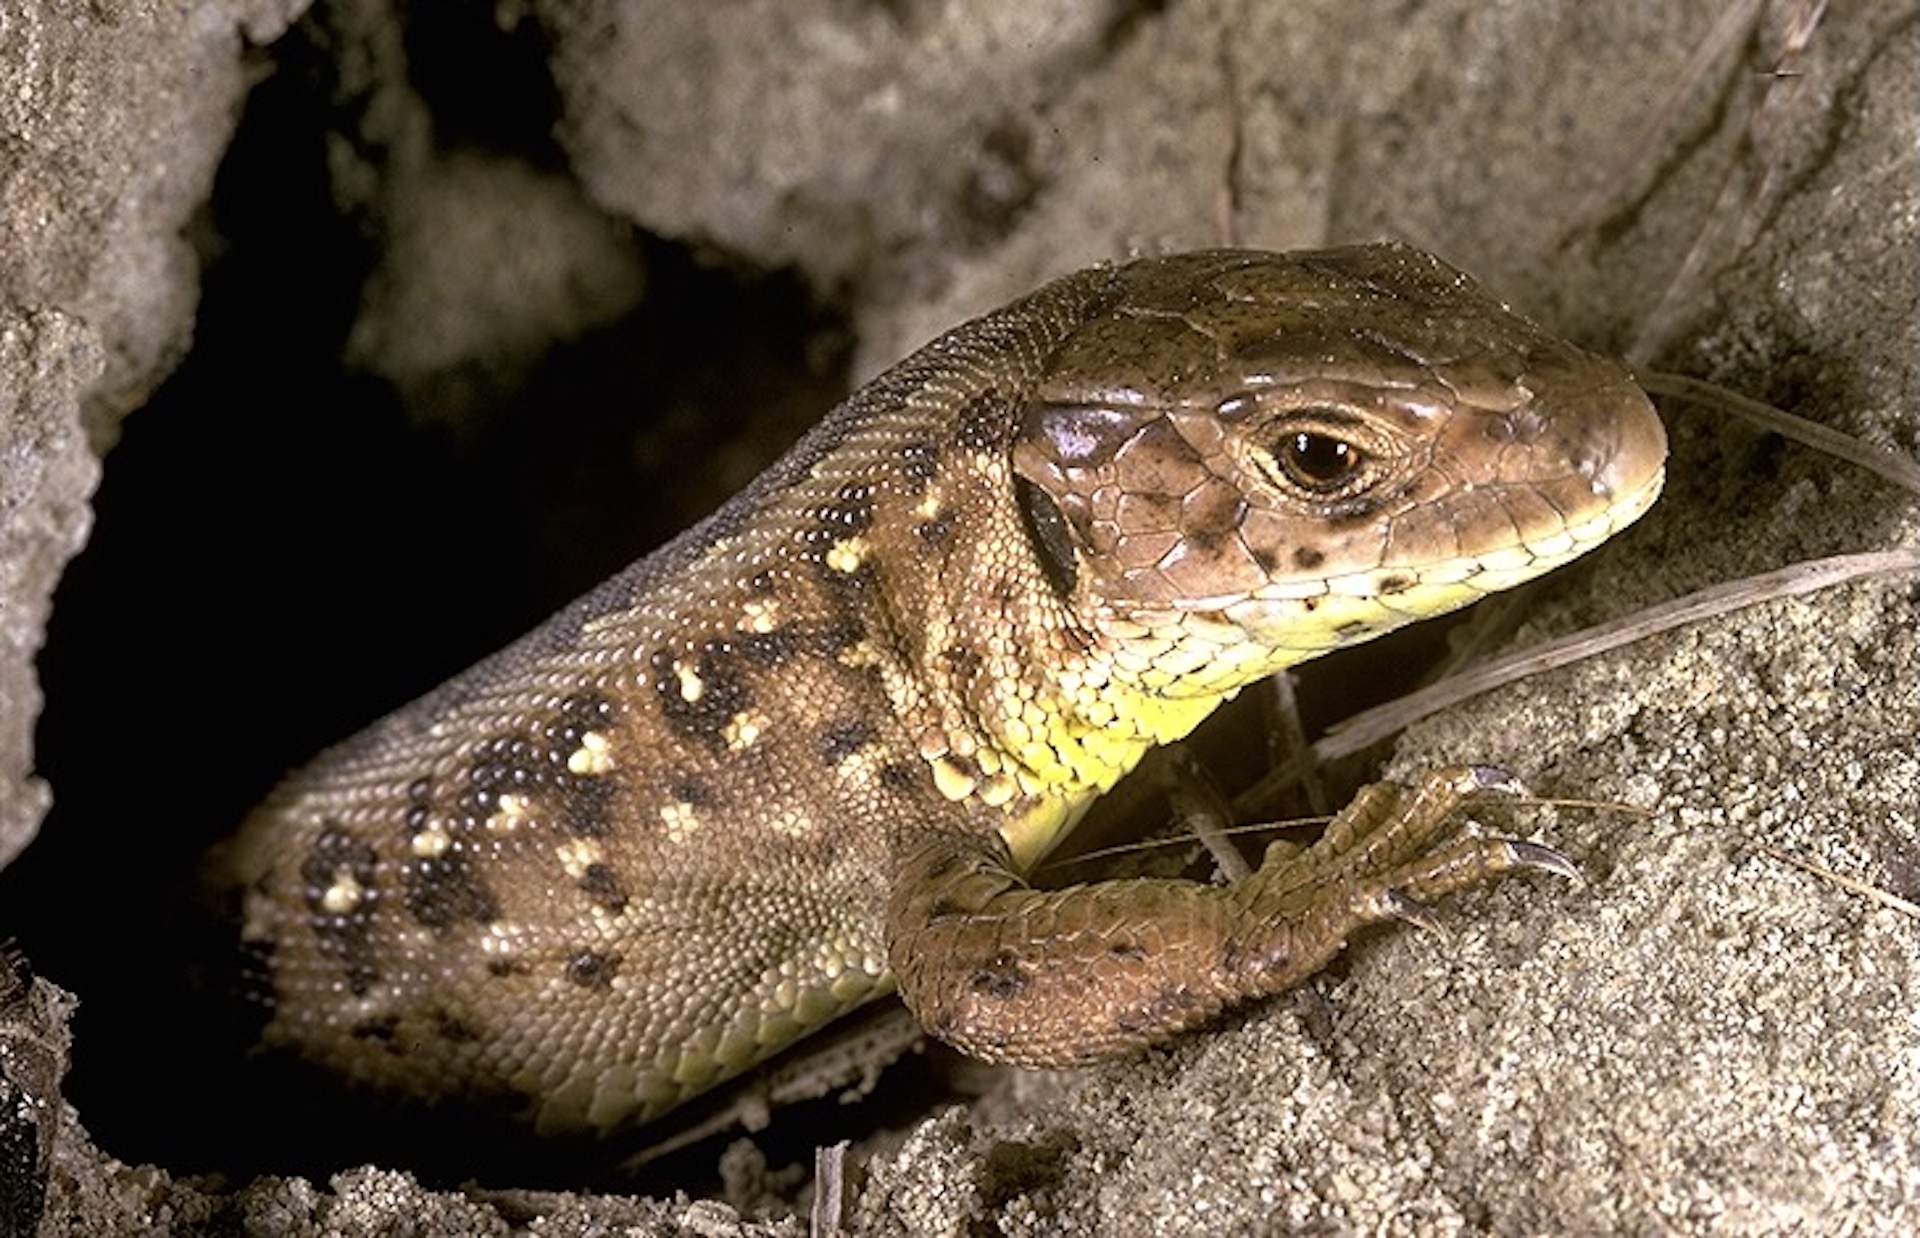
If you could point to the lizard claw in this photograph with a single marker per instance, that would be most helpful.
(1537, 856)
(1492, 778)
(1411, 911)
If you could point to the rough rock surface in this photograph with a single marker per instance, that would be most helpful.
(97, 280)
(1703, 1036)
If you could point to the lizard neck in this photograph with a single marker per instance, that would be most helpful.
(1020, 706)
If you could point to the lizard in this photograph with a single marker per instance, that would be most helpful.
(808, 752)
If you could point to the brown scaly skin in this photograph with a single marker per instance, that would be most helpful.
(805, 751)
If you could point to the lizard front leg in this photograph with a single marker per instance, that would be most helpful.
(1062, 978)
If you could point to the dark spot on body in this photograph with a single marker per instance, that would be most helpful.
(578, 714)
(344, 936)
(843, 739)
(839, 636)
(851, 511)
(1001, 978)
(587, 804)
(507, 967)
(1350, 629)
(761, 582)
(937, 531)
(603, 886)
(591, 969)
(983, 423)
(857, 583)
(534, 763)
(1310, 604)
(962, 660)
(768, 648)
(691, 791)
(722, 694)
(1132, 952)
(508, 763)
(445, 890)
(1306, 558)
(920, 460)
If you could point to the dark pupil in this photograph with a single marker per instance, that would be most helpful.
(1319, 459)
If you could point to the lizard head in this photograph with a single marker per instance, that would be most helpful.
(1252, 459)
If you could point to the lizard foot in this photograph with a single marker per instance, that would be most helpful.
(1384, 857)
(1066, 977)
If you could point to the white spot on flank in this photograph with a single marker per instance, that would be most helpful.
(847, 554)
(681, 820)
(343, 895)
(690, 685)
(578, 855)
(743, 730)
(432, 842)
(859, 656)
(793, 823)
(501, 940)
(762, 615)
(510, 811)
(593, 756)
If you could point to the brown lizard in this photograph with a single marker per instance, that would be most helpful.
(805, 752)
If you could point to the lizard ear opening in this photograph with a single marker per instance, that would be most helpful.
(1047, 529)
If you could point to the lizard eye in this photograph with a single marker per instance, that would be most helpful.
(1317, 462)
(1322, 455)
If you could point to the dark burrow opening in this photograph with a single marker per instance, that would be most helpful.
(283, 551)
